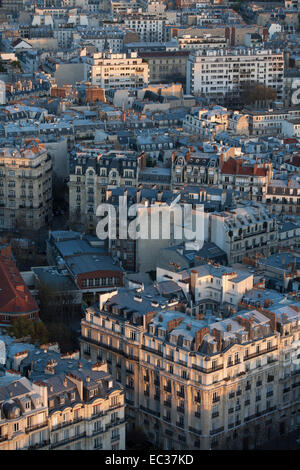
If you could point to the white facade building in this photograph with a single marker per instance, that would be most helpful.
(218, 71)
(117, 70)
(149, 28)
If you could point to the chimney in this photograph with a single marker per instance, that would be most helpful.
(218, 337)
(148, 318)
(221, 161)
(194, 276)
(65, 382)
(247, 324)
(228, 327)
(199, 336)
(174, 323)
(88, 379)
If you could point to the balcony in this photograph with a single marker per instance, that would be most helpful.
(169, 357)
(67, 440)
(207, 371)
(259, 353)
(153, 351)
(180, 424)
(180, 409)
(167, 388)
(69, 423)
(35, 427)
(216, 431)
(195, 431)
(148, 410)
(96, 432)
(180, 394)
(216, 399)
(39, 445)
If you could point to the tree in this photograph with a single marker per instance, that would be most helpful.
(136, 439)
(253, 92)
(35, 329)
(63, 335)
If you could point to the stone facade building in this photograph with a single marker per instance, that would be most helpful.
(92, 173)
(81, 409)
(199, 383)
(25, 187)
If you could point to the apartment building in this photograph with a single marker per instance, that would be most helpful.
(191, 43)
(272, 121)
(23, 413)
(108, 38)
(210, 122)
(283, 196)
(85, 261)
(117, 70)
(251, 180)
(209, 287)
(146, 209)
(207, 122)
(194, 168)
(282, 271)
(291, 127)
(92, 173)
(244, 231)
(79, 409)
(150, 28)
(113, 333)
(25, 187)
(199, 383)
(219, 71)
(86, 410)
(235, 34)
